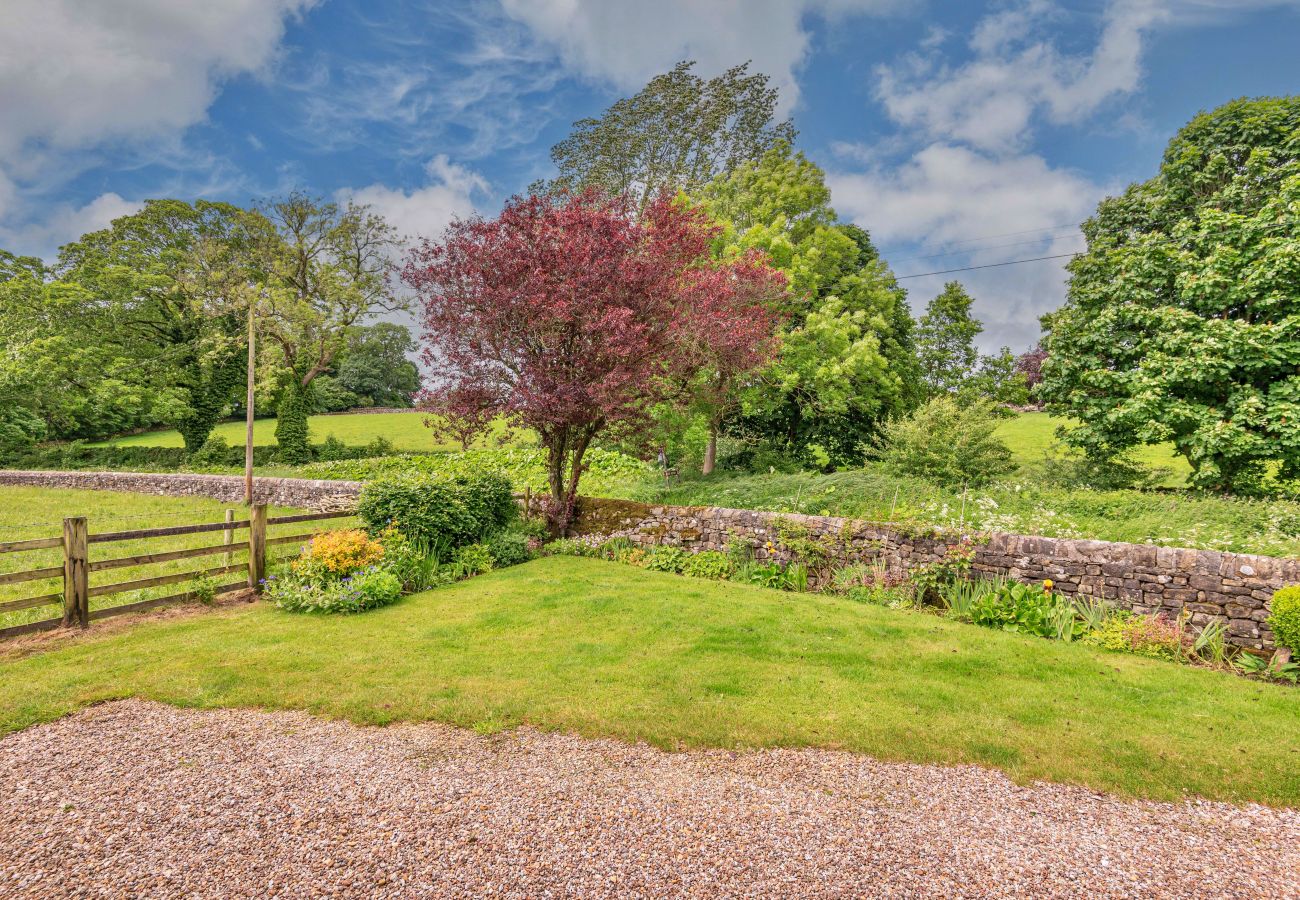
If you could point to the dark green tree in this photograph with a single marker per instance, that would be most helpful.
(1182, 321)
(375, 366)
(676, 134)
(945, 341)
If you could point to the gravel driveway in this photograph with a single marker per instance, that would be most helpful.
(134, 799)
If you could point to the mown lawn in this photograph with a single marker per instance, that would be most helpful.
(601, 649)
(32, 512)
(406, 431)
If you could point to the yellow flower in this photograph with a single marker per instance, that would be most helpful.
(1047, 584)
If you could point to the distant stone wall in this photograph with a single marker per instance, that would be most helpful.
(1207, 584)
(300, 492)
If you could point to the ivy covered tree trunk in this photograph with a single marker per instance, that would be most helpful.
(291, 422)
(210, 393)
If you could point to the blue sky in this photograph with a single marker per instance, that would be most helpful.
(958, 133)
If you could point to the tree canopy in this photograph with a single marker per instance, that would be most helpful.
(675, 134)
(572, 316)
(846, 358)
(1182, 321)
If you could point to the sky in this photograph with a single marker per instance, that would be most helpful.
(958, 133)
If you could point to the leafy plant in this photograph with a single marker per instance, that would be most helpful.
(1284, 617)
(796, 577)
(666, 559)
(1154, 636)
(946, 442)
(473, 559)
(339, 552)
(363, 590)
(508, 548)
(431, 508)
(1092, 611)
(930, 579)
(203, 589)
(708, 564)
(769, 575)
(961, 595)
(1017, 607)
(1211, 643)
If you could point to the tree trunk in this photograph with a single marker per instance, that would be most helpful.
(291, 422)
(710, 451)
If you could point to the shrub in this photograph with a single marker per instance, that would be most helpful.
(665, 559)
(473, 559)
(946, 442)
(332, 449)
(508, 548)
(339, 552)
(1284, 618)
(708, 564)
(434, 510)
(931, 579)
(769, 575)
(1152, 636)
(214, 452)
(354, 593)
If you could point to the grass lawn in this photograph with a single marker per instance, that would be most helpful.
(31, 512)
(1030, 435)
(602, 649)
(406, 431)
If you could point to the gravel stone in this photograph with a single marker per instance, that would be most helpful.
(136, 799)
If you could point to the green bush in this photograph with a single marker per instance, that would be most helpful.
(436, 510)
(708, 564)
(473, 559)
(509, 548)
(947, 443)
(1017, 607)
(1285, 617)
(1153, 636)
(367, 589)
(666, 559)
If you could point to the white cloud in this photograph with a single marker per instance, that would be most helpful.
(627, 42)
(1015, 74)
(77, 75)
(427, 210)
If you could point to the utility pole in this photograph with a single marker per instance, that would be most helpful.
(248, 411)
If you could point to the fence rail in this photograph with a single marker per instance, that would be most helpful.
(77, 566)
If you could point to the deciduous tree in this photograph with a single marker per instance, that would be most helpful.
(1182, 321)
(945, 341)
(571, 316)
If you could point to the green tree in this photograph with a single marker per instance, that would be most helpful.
(999, 379)
(160, 289)
(1182, 321)
(945, 341)
(675, 134)
(375, 366)
(948, 441)
(846, 359)
(329, 268)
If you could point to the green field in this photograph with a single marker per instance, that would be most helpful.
(27, 512)
(1031, 435)
(406, 431)
(602, 649)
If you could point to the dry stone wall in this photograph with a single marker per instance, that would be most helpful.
(1206, 584)
(301, 492)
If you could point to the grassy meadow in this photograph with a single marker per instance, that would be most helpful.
(601, 649)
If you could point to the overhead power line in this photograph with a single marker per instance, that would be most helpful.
(987, 266)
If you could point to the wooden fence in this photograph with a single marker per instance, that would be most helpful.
(78, 566)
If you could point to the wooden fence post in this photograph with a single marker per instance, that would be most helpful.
(257, 546)
(76, 573)
(230, 536)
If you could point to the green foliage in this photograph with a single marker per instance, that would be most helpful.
(947, 442)
(473, 559)
(1182, 322)
(1153, 636)
(846, 358)
(666, 559)
(1284, 617)
(509, 548)
(768, 575)
(930, 580)
(708, 564)
(945, 341)
(438, 510)
(675, 134)
(328, 395)
(960, 596)
(375, 367)
(1019, 607)
(296, 402)
(366, 589)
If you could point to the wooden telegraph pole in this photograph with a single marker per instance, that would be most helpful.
(248, 412)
